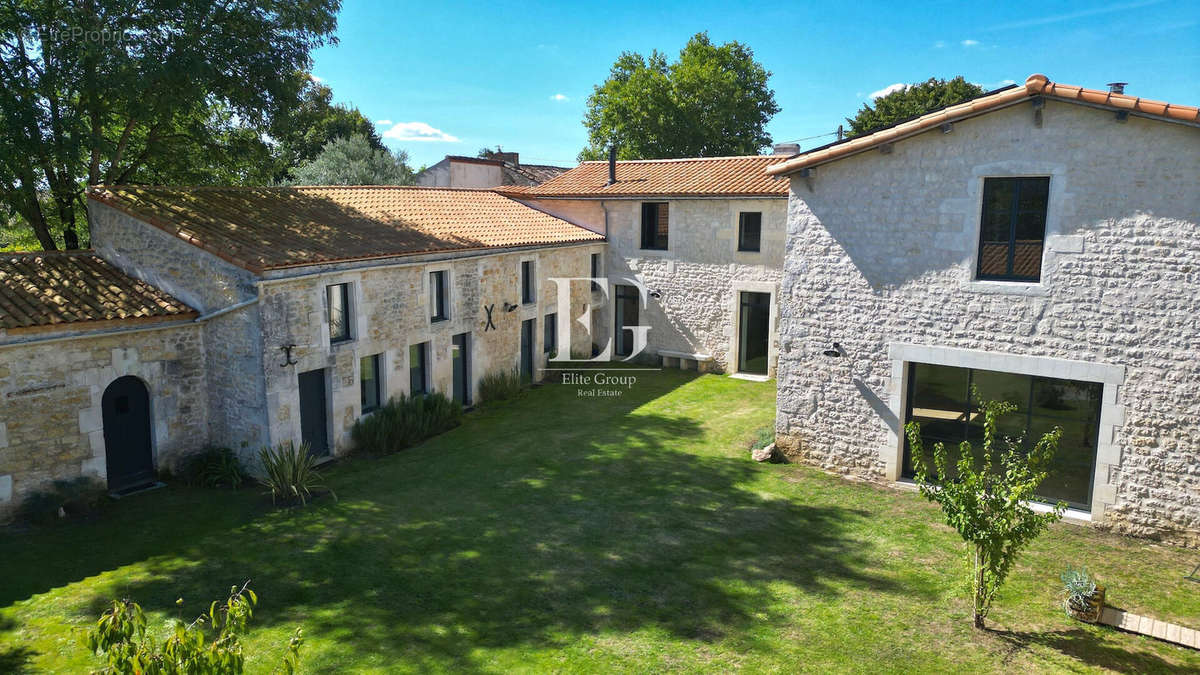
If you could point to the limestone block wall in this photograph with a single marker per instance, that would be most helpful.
(391, 312)
(881, 258)
(51, 425)
(701, 274)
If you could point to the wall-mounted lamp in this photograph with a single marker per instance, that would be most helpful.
(655, 294)
(287, 356)
(834, 352)
(509, 307)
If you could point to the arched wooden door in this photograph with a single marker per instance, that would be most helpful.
(126, 409)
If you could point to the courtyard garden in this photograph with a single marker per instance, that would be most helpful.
(559, 532)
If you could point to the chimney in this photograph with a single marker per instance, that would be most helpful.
(513, 158)
(1117, 87)
(612, 164)
(786, 149)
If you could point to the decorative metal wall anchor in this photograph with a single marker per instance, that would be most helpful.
(287, 356)
(489, 325)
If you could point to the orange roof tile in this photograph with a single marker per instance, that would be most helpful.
(76, 287)
(1035, 85)
(699, 177)
(273, 227)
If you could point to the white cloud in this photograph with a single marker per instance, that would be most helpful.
(970, 43)
(384, 123)
(890, 89)
(418, 131)
(559, 98)
(939, 44)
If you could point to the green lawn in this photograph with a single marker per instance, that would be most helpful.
(560, 533)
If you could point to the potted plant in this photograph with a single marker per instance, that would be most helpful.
(1084, 599)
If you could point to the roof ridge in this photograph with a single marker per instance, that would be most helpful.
(683, 159)
(208, 188)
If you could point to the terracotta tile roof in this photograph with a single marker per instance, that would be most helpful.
(59, 288)
(1035, 85)
(274, 227)
(703, 177)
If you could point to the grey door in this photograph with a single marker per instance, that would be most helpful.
(313, 425)
(753, 332)
(527, 328)
(627, 315)
(460, 347)
(129, 460)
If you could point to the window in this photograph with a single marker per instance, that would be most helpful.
(940, 399)
(437, 296)
(1012, 228)
(550, 334)
(338, 299)
(528, 283)
(655, 223)
(418, 369)
(595, 271)
(749, 230)
(369, 382)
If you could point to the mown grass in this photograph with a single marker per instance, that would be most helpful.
(556, 532)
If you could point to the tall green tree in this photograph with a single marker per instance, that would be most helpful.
(713, 101)
(354, 161)
(114, 91)
(301, 133)
(912, 101)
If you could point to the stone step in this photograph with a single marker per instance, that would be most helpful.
(1145, 625)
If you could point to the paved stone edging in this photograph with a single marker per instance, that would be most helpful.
(1145, 625)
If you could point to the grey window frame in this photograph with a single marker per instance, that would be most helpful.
(439, 311)
(376, 382)
(421, 349)
(652, 240)
(1013, 217)
(741, 245)
(528, 282)
(346, 334)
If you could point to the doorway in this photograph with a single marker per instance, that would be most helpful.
(527, 328)
(626, 299)
(314, 427)
(128, 456)
(460, 355)
(754, 320)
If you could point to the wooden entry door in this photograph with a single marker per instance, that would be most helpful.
(314, 427)
(129, 459)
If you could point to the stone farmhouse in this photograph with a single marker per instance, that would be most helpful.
(1038, 244)
(1035, 244)
(503, 168)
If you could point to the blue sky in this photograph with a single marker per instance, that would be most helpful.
(463, 75)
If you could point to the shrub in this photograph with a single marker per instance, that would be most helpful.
(404, 421)
(764, 437)
(290, 473)
(500, 385)
(120, 636)
(1079, 587)
(72, 498)
(213, 467)
(986, 503)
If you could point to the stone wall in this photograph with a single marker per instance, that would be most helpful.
(51, 426)
(237, 401)
(881, 257)
(391, 312)
(701, 274)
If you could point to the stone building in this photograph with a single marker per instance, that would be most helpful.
(704, 236)
(499, 169)
(246, 317)
(1037, 245)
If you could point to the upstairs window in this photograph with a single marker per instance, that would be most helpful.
(1012, 228)
(437, 296)
(418, 369)
(337, 298)
(749, 230)
(655, 225)
(528, 283)
(595, 271)
(369, 382)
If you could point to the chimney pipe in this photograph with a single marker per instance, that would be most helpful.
(1117, 87)
(612, 164)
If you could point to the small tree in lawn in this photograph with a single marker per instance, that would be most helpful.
(986, 501)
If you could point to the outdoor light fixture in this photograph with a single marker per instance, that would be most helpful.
(655, 294)
(834, 352)
(509, 307)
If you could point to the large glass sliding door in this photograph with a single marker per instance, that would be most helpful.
(940, 399)
(754, 320)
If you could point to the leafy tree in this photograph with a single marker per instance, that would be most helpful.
(713, 101)
(353, 161)
(912, 101)
(303, 131)
(985, 501)
(120, 636)
(116, 92)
